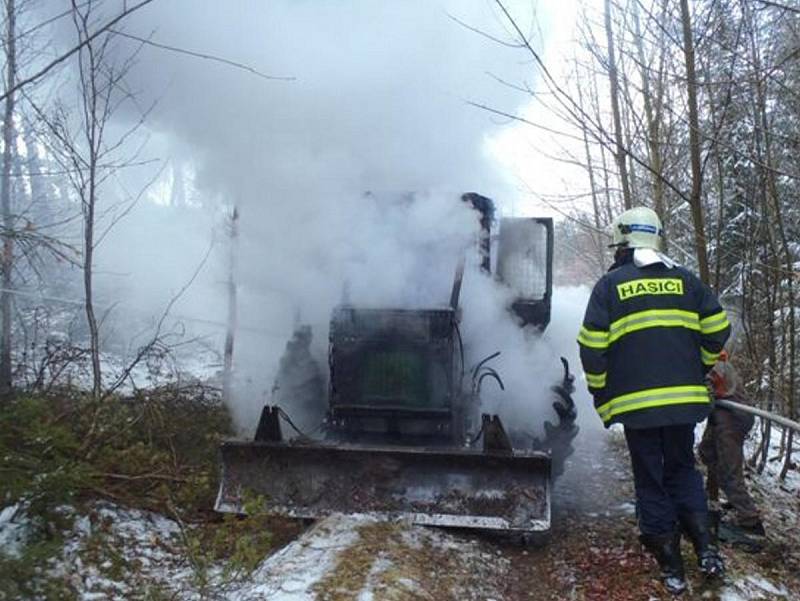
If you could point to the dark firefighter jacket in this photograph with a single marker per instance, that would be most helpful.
(648, 338)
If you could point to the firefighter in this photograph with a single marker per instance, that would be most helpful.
(651, 332)
(722, 451)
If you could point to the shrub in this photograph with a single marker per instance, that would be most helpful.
(156, 450)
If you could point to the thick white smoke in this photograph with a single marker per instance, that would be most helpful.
(321, 169)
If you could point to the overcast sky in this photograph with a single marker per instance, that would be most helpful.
(531, 156)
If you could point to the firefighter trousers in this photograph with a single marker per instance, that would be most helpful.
(667, 482)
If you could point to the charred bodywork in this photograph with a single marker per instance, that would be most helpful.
(403, 432)
(465, 488)
(395, 376)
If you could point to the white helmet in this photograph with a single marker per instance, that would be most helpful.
(639, 227)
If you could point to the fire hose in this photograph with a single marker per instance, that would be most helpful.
(774, 417)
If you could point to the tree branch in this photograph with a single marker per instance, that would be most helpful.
(87, 40)
(203, 56)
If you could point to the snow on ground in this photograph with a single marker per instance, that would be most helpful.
(361, 559)
(291, 573)
(779, 503)
(753, 587)
(116, 553)
(112, 552)
(769, 477)
(57, 361)
(14, 528)
(198, 365)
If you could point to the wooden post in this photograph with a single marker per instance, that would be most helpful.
(227, 373)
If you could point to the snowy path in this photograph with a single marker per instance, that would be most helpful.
(364, 560)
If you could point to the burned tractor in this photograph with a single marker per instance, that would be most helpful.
(404, 436)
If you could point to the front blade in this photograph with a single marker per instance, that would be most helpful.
(440, 487)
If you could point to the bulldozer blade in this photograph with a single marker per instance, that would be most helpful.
(460, 488)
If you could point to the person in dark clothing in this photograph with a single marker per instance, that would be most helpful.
(722, 451)
(651, 332)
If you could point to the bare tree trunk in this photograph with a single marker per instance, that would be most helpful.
(88, 265)
(628, 133)
(9, 144)
(610, 208)
(592, 186)
(720, 222)
(620, 155)
(785, 279)
(94, 135)
(694, 145)
(783, 268)
(41, 209)
(771, 292)
(652, 116)
(608, 205)
(88, 159)
(227, 373)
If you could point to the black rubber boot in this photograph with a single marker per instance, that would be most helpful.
(696, 527)
(667, 550)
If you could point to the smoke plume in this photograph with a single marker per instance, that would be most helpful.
(347, 177)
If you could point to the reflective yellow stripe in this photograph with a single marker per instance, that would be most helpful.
(593, 338)
(708, 357)
(653, 397)
(653, 318)
(596, 380)
(714, 323)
